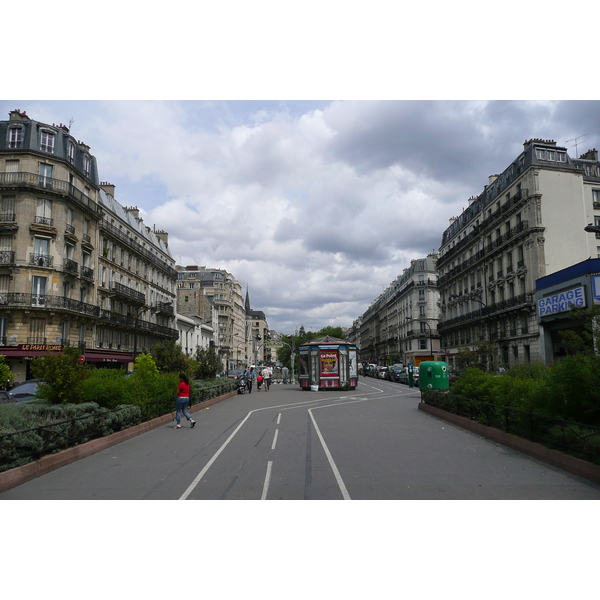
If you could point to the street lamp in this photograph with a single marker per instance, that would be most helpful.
(591, 228)
(136, 320)
(430, 334)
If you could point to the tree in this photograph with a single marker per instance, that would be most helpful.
(209, 363)
(586, 337)
(6, 375)
(62, 375)
(480, 357)
(169, 357)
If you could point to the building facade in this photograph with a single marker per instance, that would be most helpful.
(198, 285)
(400, 326)
(75, 267)
(528, 222)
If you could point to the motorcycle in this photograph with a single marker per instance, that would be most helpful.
(241, 389)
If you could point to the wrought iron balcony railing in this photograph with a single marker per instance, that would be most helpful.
(35, 180)
(70, 266)
(130, 293)
(41, 260)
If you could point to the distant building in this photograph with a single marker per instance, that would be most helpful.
(200, 288)
(400, 326)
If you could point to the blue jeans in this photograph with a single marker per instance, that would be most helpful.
(181, 407)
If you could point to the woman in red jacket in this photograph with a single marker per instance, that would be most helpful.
(183, 399)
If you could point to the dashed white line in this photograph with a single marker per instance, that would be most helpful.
(267, 481)
(275, 439)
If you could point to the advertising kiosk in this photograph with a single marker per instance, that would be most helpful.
(328, 363)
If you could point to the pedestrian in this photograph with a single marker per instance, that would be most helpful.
(285, 372)
(250, 376)
(183, 399)
(267, 374)
(259, 381)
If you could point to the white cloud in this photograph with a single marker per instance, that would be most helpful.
(315, 206)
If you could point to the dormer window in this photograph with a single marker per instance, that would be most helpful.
(47, 142)
(86, 164)
(71, 152)
(15, 137)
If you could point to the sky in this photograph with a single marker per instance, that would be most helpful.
(314, 206)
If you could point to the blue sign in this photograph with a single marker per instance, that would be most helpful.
(596, 287)
(562, 302)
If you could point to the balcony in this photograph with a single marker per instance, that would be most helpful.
(128, 293)
(7, 257)
(46, 221)
(58, 186)
(17, 300)
(87, 273)
(165, 308)
(70, 266)
(41, 260)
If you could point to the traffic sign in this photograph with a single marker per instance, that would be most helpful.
(81, 359)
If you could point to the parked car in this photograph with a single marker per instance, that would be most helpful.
(382, 372)
(452, 377)
(372, 371)
(4, 397)
(395, 373)
(24, 391)
(235, 373)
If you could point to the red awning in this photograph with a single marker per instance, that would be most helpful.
(97, 356)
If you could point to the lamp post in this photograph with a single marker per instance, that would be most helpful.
(430, 334)
(135, 324)
(591, 228)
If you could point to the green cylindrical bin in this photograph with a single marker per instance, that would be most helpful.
(433, 375)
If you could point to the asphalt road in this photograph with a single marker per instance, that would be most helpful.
(286, 444)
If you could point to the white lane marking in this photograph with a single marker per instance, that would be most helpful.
(275, 439)
(267, 481)
(278, 418)
(209, 464)
(336, 473)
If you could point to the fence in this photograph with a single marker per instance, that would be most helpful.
(21, 447)
(577, 439)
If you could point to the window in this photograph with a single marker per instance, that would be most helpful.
(550, 155)
(3, 330)
(7, 208)
(45, 175)
(38, 291)
(37, 331)
(86, 164)
(422, 344)
(15, 137)
(595, 196)
(540, 153)
(71, 152)
(560, 157)
(43, 211)
(47, 142)
(12, 166)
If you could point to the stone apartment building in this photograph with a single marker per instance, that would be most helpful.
(400, 325)
(527, 223)
(76, 267)
(200, 288)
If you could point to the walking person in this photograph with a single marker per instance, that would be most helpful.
(267, 373)
(183, 399)
(250, 376)
(285, 372)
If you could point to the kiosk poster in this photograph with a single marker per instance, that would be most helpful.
(329, 363)
(353, 364)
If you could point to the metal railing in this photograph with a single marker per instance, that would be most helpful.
(577, 439)
(20, 447)
(35, 180)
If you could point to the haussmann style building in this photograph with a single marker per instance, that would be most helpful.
(76, 267)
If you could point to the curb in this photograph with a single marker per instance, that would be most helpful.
(571, 464)
(14, 477)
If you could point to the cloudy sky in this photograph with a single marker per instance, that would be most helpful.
(316, 206)
(343, 148)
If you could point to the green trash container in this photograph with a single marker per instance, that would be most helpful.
(433, 375)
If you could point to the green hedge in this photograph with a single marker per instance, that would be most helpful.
(31, 429)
